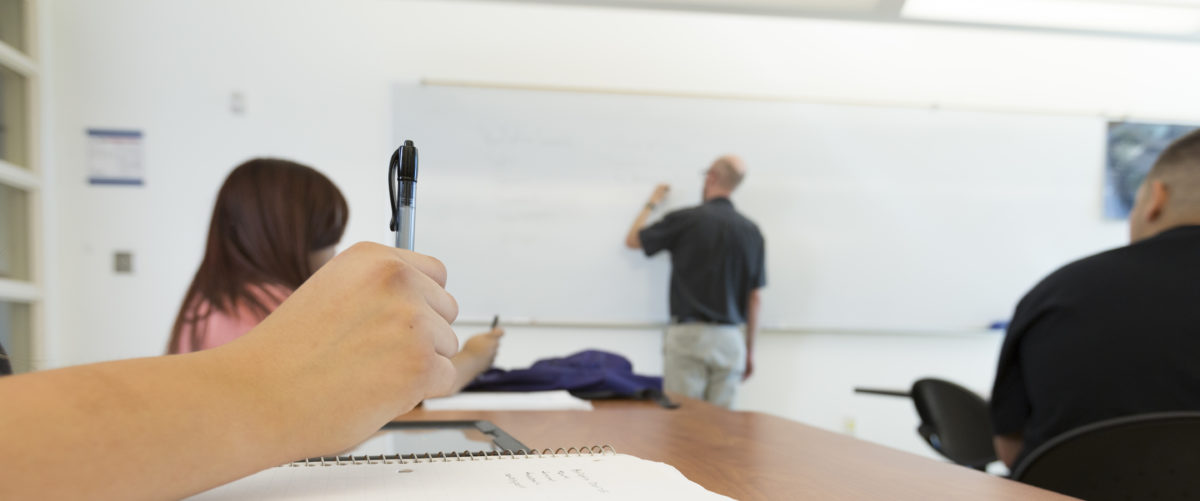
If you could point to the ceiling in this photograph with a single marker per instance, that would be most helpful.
(1166, 19)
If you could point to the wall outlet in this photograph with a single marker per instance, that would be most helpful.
(123, 262)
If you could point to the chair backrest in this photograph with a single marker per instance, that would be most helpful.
(5, 366)
(955, 422)
(1146, 456)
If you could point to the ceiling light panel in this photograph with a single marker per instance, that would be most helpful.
(1062, 14)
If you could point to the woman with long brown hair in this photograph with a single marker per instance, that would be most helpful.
(274, 224)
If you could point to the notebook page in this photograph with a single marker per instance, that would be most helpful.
(509, 401)
(581, 478)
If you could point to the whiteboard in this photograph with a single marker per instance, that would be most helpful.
(874, 218)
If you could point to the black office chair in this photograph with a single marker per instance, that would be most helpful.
(954, 421)
(1147, 456)
(5, 366)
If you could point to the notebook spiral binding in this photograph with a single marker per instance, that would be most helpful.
(595, 450)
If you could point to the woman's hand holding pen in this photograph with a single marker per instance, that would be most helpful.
(476, 356)
(484, 346)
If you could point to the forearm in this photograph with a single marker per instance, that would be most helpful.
(753, 305)
(150, 428)
(632, 240)
(167, 427)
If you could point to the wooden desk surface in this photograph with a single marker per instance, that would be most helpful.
(749, 455)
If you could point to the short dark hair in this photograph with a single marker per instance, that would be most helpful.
(1181, 157)
(1178, 167)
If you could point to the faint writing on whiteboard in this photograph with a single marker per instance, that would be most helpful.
(115, 157)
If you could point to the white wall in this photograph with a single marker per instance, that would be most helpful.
(317, 76)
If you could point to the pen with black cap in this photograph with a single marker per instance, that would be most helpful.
(402, 181)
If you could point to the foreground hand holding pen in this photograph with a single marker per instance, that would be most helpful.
(363, 340)
(381, 309)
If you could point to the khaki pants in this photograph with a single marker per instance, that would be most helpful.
(704, 361)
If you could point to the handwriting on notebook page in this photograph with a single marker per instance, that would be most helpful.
(557, 477)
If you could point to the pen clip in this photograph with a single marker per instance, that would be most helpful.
(401, 170)
(392, 181)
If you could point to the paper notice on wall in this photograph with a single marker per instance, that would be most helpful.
(115, 157)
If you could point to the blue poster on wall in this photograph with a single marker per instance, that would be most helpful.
(1132, 149)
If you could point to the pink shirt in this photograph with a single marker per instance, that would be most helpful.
(220, 327)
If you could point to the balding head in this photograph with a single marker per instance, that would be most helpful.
(729, 171)
(1170, 195)
(722, 177)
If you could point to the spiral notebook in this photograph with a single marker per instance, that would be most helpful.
(573, 474)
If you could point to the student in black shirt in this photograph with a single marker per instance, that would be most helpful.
(1113, 334)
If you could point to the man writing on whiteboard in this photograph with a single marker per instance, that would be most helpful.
(717, 270)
